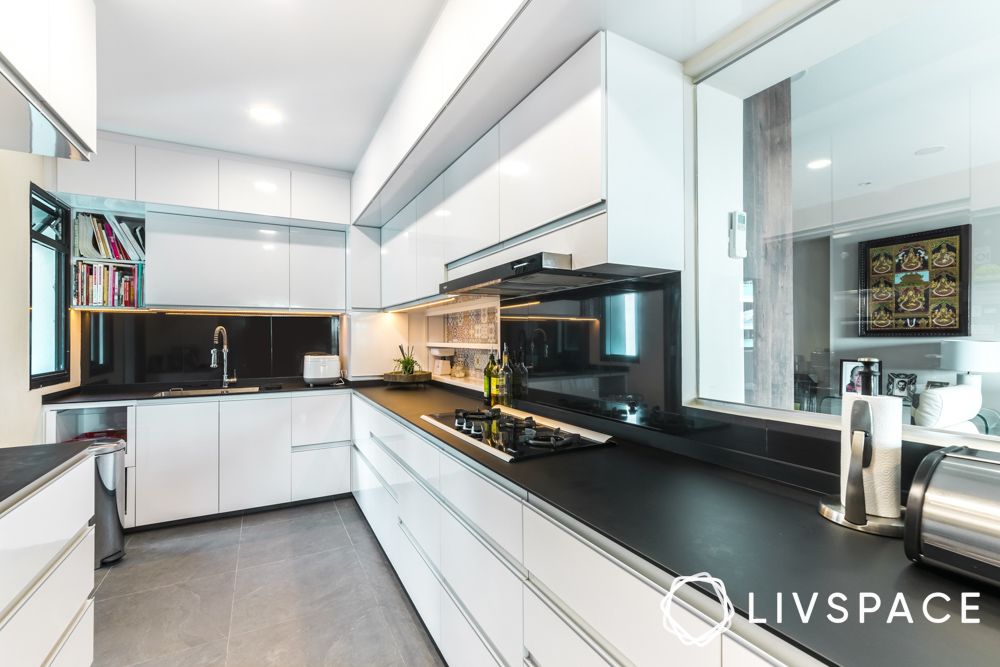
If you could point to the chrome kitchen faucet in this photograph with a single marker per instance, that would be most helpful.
(225, 355)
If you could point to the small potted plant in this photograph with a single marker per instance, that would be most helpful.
(407, 370)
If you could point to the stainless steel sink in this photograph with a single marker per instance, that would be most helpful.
(218, 391)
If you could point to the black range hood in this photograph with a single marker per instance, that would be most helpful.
(542, 273)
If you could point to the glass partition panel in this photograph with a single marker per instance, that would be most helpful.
(849, 207)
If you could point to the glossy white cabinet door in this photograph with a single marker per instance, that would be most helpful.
(110, 173)
(364, 262)
(472, 198)
(194, 261)
(255, 453)
(552, 145)
(431, 238)
(23, 41)
(78, 650)
(420, 583)
(549, 641)
(421, 513)
(177, 461)
(494, 511)
(377, 504)
(735, 654)
(490, 591)
(459, 643)
(164, 176)
(323, 197)
(317, 266)
(254, 188)
(72, 85)
(319, 472)
(321, 418)
(399, 261)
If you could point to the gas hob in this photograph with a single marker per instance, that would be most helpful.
(513, 436)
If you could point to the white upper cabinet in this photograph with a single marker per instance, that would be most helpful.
(365, 267)
(399, 257)
(52, 44)
(209, 262)
(254, 188)
(110, 173)
(431, 238)
(317, 266)
(164, 176)
(472, 198)
(72, 87)
(552, 145)
(322, 197)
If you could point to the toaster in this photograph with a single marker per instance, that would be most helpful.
(953, 513)
(320, 368)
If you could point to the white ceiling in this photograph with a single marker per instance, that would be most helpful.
(186, 71)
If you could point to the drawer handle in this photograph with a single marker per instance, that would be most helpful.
(529, 660)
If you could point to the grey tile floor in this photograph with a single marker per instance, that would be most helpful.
(302, 586)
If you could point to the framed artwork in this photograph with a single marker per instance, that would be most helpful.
(850, 378)
(903, 385)
(915, 284)
(934, 384)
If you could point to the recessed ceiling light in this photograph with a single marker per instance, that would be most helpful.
(821, 163)
(265, 187)
(265, 114)
(929, 150)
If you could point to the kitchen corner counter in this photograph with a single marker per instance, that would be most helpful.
(760, 537)
(25, 469)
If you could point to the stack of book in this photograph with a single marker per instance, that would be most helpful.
(108, 285)
(98, 236)
(108, 252)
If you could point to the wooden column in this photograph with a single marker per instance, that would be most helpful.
(767, 199)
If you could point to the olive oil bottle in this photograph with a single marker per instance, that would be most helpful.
(505, 380)
(488, 374)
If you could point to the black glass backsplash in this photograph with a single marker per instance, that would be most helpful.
(611, 351)
(133, 348)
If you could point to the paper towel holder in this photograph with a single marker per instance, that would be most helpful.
(853, 515)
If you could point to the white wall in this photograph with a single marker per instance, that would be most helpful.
(21, 408)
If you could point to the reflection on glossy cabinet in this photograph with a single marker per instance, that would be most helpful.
(255, 453)
(164, 176)
(472, 199)
(459, 643)
(364, 249)
(254, 188)
(399, 257)
(194, 261)
(431, 238)
(317, 268)
(323, 197)
(552, 145)
(177, 461)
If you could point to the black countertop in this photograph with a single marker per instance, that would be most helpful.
(22, 468)
(758, 536)
(143, 392)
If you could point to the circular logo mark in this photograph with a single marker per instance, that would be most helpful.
(671, 625)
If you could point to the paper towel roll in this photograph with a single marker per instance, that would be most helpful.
(882, 493)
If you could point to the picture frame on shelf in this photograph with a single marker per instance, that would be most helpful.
(935, 384)
(849, 375)
(915, 284)
(903, 385)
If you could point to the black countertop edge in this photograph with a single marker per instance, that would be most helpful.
(759, 536)
(23, 470)
(137, 392)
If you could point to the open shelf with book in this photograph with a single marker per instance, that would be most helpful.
(108, 261)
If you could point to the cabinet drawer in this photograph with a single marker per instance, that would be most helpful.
(550, 642)
(735, 654)
(487, 588)
(320, 472)
(421, 513)
(320, 419)
(376, 503)
(380, 461)
(420, 456)
(362, 419)
(420, 584)
(78, 649)
(617, 604)
(34, 532)
(494, 511)
(459, 643)
(30, 634)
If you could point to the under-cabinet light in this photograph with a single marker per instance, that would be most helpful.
(422, 305)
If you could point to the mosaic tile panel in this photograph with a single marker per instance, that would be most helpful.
(472, 326)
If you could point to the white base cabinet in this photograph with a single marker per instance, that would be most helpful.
(459, 643)
(321, 471)
(550, 641)
(255, 453)
(177, 461)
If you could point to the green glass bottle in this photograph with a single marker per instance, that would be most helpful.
(488, 375)
(505, 380)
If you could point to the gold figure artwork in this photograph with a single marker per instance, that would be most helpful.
(916, 284)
